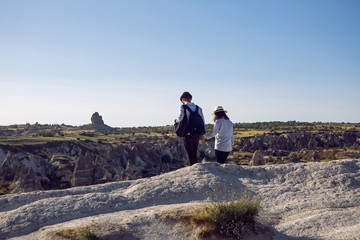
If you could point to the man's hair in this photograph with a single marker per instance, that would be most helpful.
(186, 95)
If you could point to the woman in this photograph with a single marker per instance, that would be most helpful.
(223, 133)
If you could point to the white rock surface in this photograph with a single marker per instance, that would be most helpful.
(300, 201)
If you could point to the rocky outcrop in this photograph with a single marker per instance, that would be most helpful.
(313, 143)
(257, 159)
(9, 167)
(295, 141)
(63, 164)
(98, 125)
(57, 165)
(96, 119)
(19, 171)
(28, 180)
(84, 170)
(206, 151)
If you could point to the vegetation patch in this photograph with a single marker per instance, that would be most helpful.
(7, 187)
(234, 219)
(90, 232)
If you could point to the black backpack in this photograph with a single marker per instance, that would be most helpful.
(196, 125)
(181, 128)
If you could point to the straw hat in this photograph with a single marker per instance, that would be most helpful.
(218, 109)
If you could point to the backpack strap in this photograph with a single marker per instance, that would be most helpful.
(186, 107)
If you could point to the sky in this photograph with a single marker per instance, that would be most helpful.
(130, 61)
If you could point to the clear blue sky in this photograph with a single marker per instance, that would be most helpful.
(62, 60)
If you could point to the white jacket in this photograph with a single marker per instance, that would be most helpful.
(223, 133)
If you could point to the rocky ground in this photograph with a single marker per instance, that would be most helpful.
(298, 201)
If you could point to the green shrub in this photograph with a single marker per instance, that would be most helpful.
(87, 234)
(81, 233)
(234, 219)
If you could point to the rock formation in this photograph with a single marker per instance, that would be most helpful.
(18, 173)
(295, 141)
(84, 170)
(57, 165)
(313, 143)
(257, 159)
(96, 119)
(28, 180)
(98, 125)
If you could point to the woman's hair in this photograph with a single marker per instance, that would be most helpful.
(220, 115)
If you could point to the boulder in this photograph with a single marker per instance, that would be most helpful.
(206, 150)
(257, 159)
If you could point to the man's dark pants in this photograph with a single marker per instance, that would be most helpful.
(191, 145)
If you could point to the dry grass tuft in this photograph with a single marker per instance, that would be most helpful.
(90, 232)
(234, 219)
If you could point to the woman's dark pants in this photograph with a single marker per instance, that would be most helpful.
(221, 156)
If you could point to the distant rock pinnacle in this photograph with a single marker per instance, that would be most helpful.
(96, 119)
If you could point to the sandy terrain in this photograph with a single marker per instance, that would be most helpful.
(298, 201)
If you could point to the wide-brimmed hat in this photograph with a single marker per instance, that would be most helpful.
(218, 109)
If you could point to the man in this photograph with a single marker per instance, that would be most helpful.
(191, 141)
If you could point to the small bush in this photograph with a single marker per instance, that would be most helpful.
(87, 234)
(234, 219)
(82, 233)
